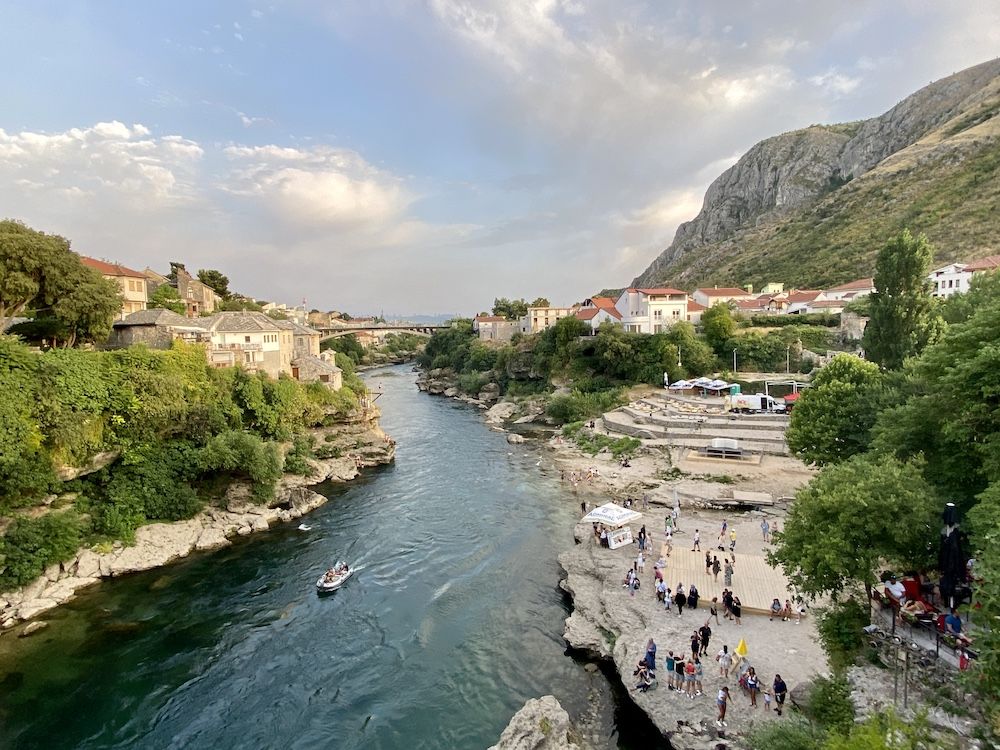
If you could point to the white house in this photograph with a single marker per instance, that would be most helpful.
(695, 309)
(597, 310)
(651, 310)
(800, 300)
(949, 280)
(708, 296)
(851, 290)
(250, 339)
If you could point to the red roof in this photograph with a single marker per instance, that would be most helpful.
(988, 263)
(695, 306)
(752, 304)
(730, 291)
(828, 303)
(489, 319)
(110, 269)
(857, 284)
(603, 303)
(587, 313)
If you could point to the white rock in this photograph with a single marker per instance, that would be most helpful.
(212, 537)
(260, 524)
(542, 724)
(88, 564)
(514, 438)
(32, 628)
(29, 609)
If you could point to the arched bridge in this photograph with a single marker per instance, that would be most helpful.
(419, 329)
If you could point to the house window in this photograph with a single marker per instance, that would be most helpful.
(657, 313)
(246, 339)
(676, 314)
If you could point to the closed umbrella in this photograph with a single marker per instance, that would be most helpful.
(741, 647)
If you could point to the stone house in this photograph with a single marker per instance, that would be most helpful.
(157, 329)
(200, 298)
(322, 369)
(131, 283)
(495, 327)
(251, 340)
(540, 318)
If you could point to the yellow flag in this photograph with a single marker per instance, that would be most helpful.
(741, 647)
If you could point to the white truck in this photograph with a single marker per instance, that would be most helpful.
(744, 403)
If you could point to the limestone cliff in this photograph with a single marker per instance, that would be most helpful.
(797, 203)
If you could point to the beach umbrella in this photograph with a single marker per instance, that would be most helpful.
(741, 647)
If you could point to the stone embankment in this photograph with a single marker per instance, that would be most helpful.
(360, 443)
(542, 724)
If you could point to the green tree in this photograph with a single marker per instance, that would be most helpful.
(904, 317)
(540, 302)
(833, 419)
(510, 309)
(166, 298)
(84, 303)
(718, 325)
(951, 415)
(851, 520)
(348, 345)
(237, 303)
(216, 280)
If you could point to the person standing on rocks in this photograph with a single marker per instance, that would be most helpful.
(753, 684)
(668, 663)
(695, 645)
(780, 693)
(680, 599)
(679, 672)
(696, 544)
(713, 610)
(765, 530)
(699, 674)
(722, 701)
(651, 655)
(689, 670)
(640, 563)
(716, 567)
(737, 609)
(727, 578)
(732, 540)
(667, 599)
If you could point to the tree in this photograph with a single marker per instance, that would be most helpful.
(237, 303)
(166, 298)
(540, 302)
(904, 317)
(833, 420)
(951, 416)
(87, 306)
(33, 265)
(510, 309)
(852, 519)
(718, 325)
(216, 280)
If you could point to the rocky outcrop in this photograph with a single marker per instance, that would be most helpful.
(361, 440)
(542, 724)
(781, 176)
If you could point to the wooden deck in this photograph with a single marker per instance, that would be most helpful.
(754, 581)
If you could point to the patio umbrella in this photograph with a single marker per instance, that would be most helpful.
(951, 561)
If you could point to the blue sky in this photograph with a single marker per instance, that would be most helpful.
(427, 156)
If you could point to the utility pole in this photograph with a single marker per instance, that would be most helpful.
(788, 350)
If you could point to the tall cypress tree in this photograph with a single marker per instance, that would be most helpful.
(904, 318)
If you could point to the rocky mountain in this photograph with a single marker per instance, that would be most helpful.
(812, 207)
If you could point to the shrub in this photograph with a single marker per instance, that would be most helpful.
(577, 406)
(246, 455)
(296, 460)
(830, 703)
(840, 631)
(472, 382)
(790, 734)
(32, 544)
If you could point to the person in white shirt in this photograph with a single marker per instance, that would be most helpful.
(896, 590)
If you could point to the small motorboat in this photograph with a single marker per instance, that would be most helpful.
(334, 578)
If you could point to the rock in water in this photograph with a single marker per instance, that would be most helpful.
(33, 627)
(542, 724)
(514, 438)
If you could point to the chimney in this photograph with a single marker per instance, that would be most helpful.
(749, 288)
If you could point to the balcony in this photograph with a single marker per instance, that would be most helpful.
(241, 347)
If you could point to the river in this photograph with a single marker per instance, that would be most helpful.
(452, 620)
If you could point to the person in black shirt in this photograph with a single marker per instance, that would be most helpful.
(705, 632)
(780, 692)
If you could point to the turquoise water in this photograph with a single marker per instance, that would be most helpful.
(452, 620)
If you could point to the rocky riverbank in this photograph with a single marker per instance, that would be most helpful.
(542, 724)
(358, 440)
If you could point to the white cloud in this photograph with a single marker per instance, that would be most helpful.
(258, 14)
(318, 187)
(835, 83)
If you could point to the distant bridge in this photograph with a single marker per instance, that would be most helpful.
(419, 329)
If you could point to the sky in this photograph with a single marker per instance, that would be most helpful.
(427, 156)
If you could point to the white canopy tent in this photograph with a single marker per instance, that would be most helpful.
(616, 518)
